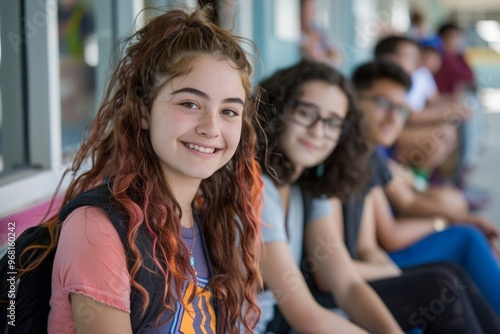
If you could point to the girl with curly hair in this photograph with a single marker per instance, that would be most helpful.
(173, 139)
(311, 146)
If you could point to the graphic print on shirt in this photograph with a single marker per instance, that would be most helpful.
(199, 317)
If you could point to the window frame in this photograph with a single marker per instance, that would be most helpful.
(38, 93)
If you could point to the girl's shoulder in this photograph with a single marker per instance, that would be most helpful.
(90, 259)
(270, 188)
(91, 222)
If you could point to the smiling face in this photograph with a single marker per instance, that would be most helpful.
(383, 107)
(195, 121)
(309, 146)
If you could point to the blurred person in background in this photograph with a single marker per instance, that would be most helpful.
(430, 138)
(314, 43)
(405, 291)
(455, 74)
(418, 30)
(304, 108)
(456, 78)
(428, 235)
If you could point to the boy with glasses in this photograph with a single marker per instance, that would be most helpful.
(441, 228)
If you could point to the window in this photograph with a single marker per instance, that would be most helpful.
(1, 156)
(54, 62)
(78, 59)
(13, 153)
(50, 78)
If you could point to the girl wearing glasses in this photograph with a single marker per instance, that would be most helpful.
(305, 109)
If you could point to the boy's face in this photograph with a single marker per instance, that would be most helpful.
(432, 60)
(385, 111)
(408, 57)
(453, 41)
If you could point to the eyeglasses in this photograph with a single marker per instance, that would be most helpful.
(383, 103)
(307, 115)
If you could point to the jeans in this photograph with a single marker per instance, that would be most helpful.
(464, 245)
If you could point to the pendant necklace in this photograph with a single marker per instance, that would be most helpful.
(191, 257)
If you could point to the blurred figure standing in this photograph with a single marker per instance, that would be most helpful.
(314, 43)
(456, 78)
(455, 75)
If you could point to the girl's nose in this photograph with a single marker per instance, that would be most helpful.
(208, 124)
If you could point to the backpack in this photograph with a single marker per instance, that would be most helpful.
(32, 294)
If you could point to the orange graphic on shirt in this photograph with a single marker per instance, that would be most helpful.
(199, 315)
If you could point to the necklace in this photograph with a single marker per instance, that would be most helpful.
(191, 257)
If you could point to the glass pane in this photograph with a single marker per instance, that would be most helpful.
(1, 142)
(79, 56)
(13, 154)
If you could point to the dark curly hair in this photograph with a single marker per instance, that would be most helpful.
(345, 169)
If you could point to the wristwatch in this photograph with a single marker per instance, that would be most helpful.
(439, 224)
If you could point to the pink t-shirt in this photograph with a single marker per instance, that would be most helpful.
(90, 260)
(88, 241)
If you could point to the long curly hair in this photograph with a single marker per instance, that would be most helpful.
(345, 169)
(117, 147)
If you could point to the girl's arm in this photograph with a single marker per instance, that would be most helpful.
(373, 262)
(349, 289)
(283, 277)
(92, 316)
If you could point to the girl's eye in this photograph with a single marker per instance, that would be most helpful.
(333, 123)
(306, 113)
(229, 112)
(190, 105)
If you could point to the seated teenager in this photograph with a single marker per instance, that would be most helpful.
(430, 139)
(303, 109)
(441, 139)
(404, 292)
(416, 241)
(410, 294)
(456, 77)
(417, 285)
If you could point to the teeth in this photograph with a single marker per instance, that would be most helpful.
(201, 149)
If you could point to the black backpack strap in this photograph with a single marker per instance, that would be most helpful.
(147, 275)
(210, 266)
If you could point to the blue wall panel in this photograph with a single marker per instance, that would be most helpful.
(274, 52)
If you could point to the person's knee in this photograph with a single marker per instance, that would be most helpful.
(468, 235)
(447, 136)
(449, 270)
(429, 147)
